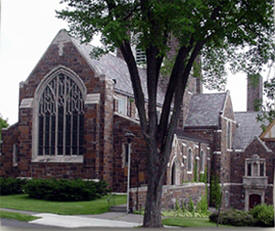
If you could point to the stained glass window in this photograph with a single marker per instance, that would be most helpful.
(61, 118)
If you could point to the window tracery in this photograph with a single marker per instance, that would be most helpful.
(60, 117)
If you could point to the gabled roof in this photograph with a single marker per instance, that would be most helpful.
(111, 66)
(248, 128)
(205, 109)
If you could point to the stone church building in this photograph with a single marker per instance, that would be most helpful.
(74, 112)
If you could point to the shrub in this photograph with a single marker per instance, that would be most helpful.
(233, 217)
(202, 205)
(263, 215)
(65, 190)
(191, 207)
(9, 185)
(215, 192)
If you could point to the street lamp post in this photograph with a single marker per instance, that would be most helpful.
(129, 137)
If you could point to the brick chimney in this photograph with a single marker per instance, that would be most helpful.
(254, 92)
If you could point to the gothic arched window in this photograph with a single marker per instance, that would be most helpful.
(60, 117)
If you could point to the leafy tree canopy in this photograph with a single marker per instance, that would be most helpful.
(3, 124)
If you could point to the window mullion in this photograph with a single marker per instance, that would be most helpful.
(44, 132)
(64, 117)
(56, 116)
(50, 133)
(71, 134)
(77, 149)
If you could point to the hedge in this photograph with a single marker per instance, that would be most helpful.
(260, 215)
(65, 190)
(233, 217)
(9, 185)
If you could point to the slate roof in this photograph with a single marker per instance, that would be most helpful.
(204, 110)
(114, 67)
(248, 128)
(187, 136)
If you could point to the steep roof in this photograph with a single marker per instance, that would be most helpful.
(248, 128)
(204, 109)
(111, 66)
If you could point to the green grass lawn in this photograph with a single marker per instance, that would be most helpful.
(17, 216)
(190, 222)
(23, 202)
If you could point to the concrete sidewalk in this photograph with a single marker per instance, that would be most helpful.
(80, 221)
(108, 220)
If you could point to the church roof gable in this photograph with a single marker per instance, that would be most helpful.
(247, 128)
(205, 109)
(116, 69)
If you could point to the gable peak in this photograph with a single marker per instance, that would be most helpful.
(62, 37)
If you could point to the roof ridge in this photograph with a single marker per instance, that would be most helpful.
(246, 112)
(216, 93)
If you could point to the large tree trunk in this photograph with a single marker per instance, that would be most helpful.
(152, 215)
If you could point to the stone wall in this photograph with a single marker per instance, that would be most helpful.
(171, 195)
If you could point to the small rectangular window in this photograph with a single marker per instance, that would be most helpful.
(228, 135)
(14, 155)
(249, 169)
(262, 169)
(126, 151)
(122, 105)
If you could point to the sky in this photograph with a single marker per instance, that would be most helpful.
(27, 29)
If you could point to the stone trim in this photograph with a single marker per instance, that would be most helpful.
(38, 93)
(126, 117)
(92, 99)
(217, 152)
(58, 159)
(26, 103)
(167, 187)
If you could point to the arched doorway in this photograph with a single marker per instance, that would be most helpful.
(254, 200)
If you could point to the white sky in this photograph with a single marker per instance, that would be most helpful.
(27, 29)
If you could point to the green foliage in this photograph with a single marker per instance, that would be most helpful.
(202, 205)
(190, 206)
(267, 113)
(180, 213)
(215, 191)
(233, 217)
(202, 222)
(3, 124)
(225, 27)
(9, 185)
(65, 190)
(203, 176)
(23, 202)
(263, 215)
(196, 69)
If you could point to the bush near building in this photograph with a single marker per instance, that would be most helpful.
(263, 215)
(260, 215)
(9, 185)
(65, 190)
